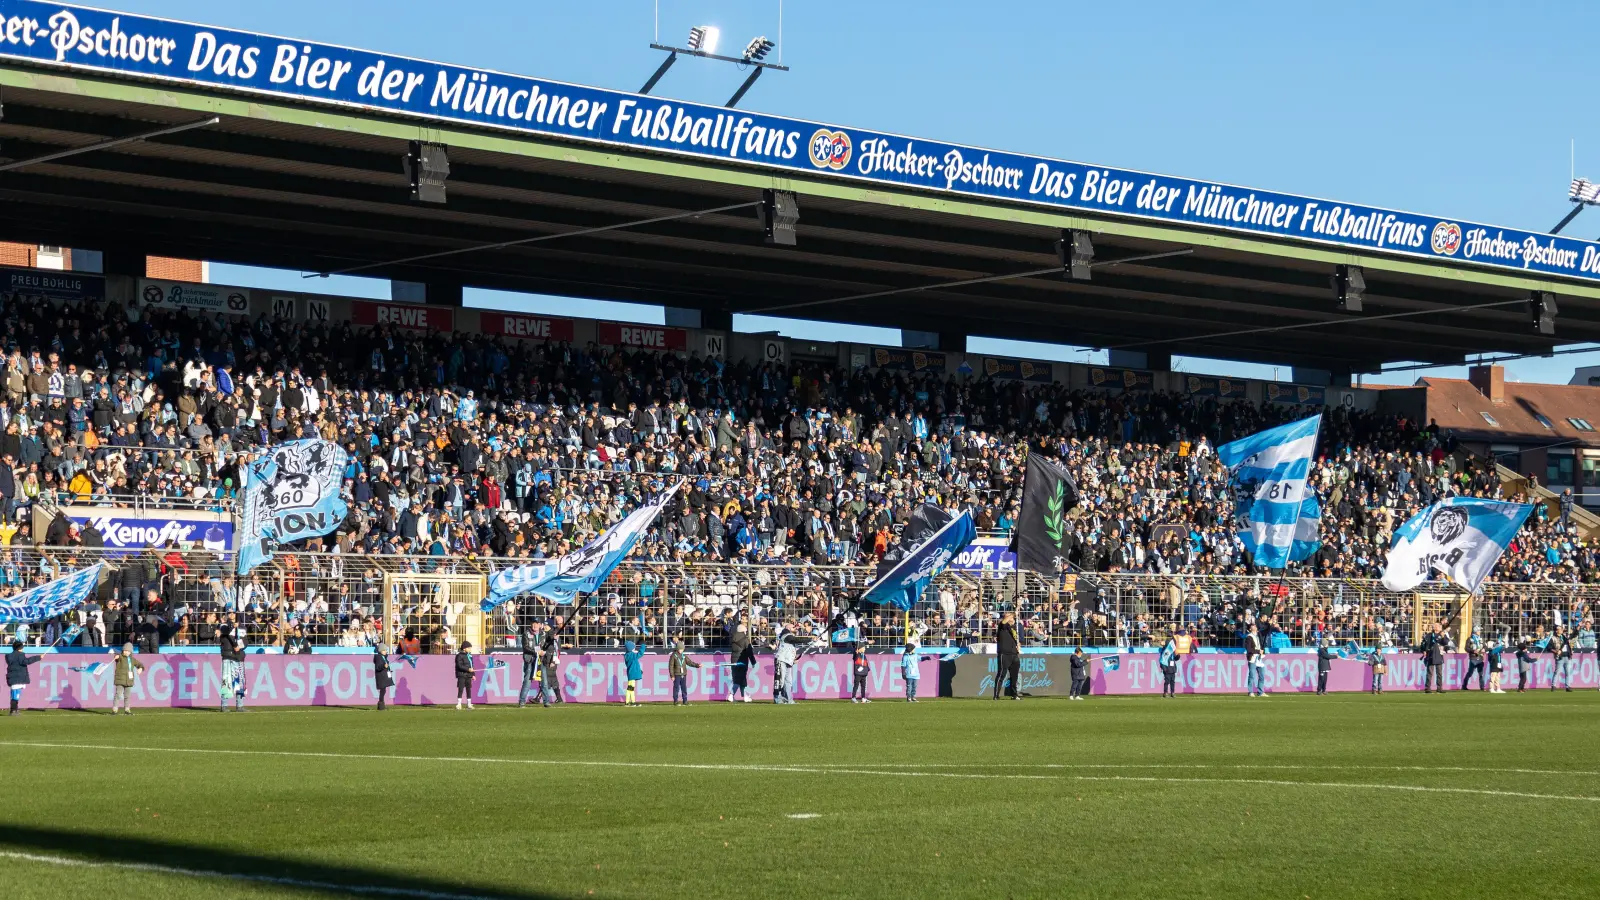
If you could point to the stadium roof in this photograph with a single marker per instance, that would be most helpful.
(295, 179)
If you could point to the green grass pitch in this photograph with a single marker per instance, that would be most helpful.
(1409, 796)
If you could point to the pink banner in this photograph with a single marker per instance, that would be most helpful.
(195, 680)
(1225, 673)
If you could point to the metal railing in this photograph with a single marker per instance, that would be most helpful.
(304, 600)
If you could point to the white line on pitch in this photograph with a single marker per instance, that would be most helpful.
(806, 770)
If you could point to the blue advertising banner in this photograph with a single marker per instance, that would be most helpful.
(126, 530)
(907, 360)
(1018, 369)
(1300, 394)
(1121, 379)
(79, 38)
(1203, 386)
(51, 284)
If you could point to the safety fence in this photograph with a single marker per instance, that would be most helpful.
(305, 600)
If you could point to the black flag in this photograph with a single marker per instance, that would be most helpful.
(924, 521)
(1048, 492)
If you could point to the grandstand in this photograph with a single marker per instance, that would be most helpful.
(482, 438)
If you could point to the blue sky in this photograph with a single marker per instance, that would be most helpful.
(1466, 110)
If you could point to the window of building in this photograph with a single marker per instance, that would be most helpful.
(1591, 471)
(1490, 419)
(1580, 424)
(1544, 420)
(1559, 469)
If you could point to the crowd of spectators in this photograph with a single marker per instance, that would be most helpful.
(467, 446)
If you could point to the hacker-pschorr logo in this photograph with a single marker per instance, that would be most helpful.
(1448, 524)
(830, 149)
(1446, 238)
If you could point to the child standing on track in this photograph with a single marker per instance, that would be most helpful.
(859, 669)
(678, 666)
(911, 669)
(1497, 650)
(464, 675)
(1524, 664)
(122, 679)
(17, 678)
(631, 655)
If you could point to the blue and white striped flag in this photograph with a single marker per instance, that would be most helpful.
(1279, 520)
(50, 600)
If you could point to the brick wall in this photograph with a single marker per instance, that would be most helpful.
(172, 269)
(17, 254)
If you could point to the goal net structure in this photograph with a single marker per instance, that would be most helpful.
(439, 611)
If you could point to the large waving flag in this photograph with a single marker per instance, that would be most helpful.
(901, 582)
(50, 600)
(1462, 537)
(291, 492)
(1279, 520)
(579, 572)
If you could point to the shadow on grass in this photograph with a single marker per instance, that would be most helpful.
(330, 879)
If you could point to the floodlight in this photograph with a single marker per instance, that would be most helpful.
(703, 38)
(1584, 191)
(758, 48)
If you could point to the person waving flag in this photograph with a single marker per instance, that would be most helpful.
(1279, 520)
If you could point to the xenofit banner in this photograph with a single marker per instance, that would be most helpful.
(142, 47)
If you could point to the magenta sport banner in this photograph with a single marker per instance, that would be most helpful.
(72, 681)
(1225, 673)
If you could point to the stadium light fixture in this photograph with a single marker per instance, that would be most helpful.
(428, 166)
(758, 48)
(779, 211)
(1349, 284)
(1582, 192)
(1542, 312)
(703, 40)
(1076, 250)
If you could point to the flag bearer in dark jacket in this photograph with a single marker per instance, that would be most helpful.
(231, 638)
(528, 641)
(549, 662)
(382, 675)
(1475, 661)
(1009, 664)
(464, 675)
(1325, 657)
(17, 664)
(1080, 675)
(1434, 645)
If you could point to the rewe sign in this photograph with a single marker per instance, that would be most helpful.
(644, 337)
(402, 315)
(538, 328)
